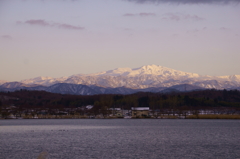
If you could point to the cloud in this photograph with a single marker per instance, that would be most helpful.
(192, 17)
(167, 16)
(129, 15)
(67, 26)
(147, 14)
(40, 22)
(180, 16)
(171, 16)
(6, 37)
(224, 29)
(143, 14)
(186, 1)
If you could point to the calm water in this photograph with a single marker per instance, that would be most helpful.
(119, 138)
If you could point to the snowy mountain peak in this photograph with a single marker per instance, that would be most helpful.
(160, 71)
(42, 78)
(38, 79)
(118, 71)
(2, 82)
(144, 70)
(154, 69)
(234, 77)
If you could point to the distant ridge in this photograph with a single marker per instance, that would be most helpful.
(79, 89)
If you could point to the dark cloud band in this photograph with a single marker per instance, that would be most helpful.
(187, 1)
(44, 23)
(6, 37)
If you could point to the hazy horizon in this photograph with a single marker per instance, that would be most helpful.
(63, 38)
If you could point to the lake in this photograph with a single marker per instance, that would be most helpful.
(119, 138)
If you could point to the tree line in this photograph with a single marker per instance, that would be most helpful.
(186, 100)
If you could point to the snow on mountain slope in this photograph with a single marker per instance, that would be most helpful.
(13, 86)
(138, 78)
(146, 70)
(17, 84)
(149, 76)
(47, 81)
(65, 88)
(2, 82)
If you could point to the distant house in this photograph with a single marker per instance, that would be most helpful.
(140, 111)
(116, 111)
(127, 113)
(62, 113)
(88, 107)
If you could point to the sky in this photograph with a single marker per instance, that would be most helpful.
(59, 38)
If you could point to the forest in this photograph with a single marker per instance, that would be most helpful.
(197, 99)
(37, 102)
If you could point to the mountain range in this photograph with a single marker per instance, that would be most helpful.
(149, 78)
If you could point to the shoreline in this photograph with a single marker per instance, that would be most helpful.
(207, 116)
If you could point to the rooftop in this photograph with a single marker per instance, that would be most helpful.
(140, 108)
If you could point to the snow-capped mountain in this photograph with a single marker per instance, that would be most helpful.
(145, 77)
(146, 70)
(153, 76)
(46, 81)
(17, 84)
(2, 82)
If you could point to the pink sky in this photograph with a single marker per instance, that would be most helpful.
(62, 38)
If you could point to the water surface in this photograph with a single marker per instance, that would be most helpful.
(119, 138)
